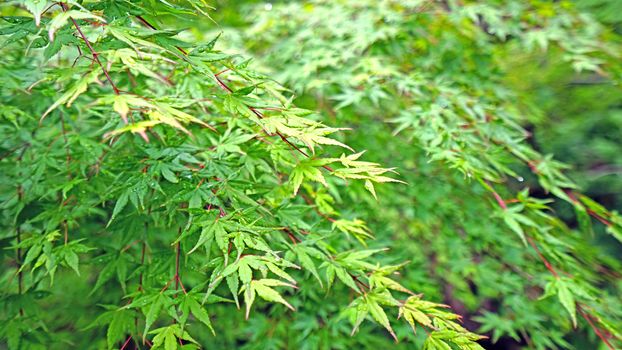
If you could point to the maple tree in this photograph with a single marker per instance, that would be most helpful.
(160, 189)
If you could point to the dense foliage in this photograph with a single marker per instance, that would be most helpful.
(160, 189)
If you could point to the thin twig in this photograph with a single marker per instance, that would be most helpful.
(544, 260)
(309, 202)
(144, 21)
(596, 330)
(126, 342)
(177, 254)
(498, 198)
(93, 52)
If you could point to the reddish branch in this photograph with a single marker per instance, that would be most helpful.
(498, 198)
(144, 21)
(93, 52)
(552, 270)
(309, 202)
(359, 282)
(533, 167)
(598, 332)
(544, 259)
(177, 276)
(96, 59)
(598, 217)
(222, 71)
(500, 201)
(587, 317)
(592, 213)
(126, 342)
(291, 236)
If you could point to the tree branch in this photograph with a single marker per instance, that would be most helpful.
(93, 52)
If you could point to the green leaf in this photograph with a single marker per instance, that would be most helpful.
(362, 310)
(234, 284)
(169, 175)
(245, 91)
(380, 316)
(120, 106)
(72, 260)
(262, 287)
(510, 220)
(345, 277)
(61, 20)
(566, 298)
(306, 170)
(72, 93)
(199, 312)
(308, 264)
(119, 205)
(165, 337)
(32, 254)
(153, 312)
(104, 275)
(431, 343)
(249, 298)
(121, 324)
(245, 272)
(207, 235)
(36, 7)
